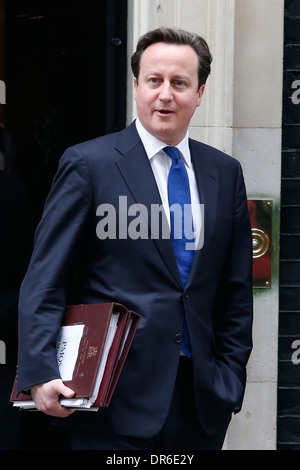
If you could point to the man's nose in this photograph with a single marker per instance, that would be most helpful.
(166, 92)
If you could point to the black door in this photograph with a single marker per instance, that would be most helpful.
(288, 421)
(65, 76)
(64, 68)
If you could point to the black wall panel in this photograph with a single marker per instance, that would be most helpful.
(288, 412)
(65, 75)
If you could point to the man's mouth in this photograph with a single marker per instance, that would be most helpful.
(165, 111)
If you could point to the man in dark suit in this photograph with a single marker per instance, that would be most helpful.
(168, 397)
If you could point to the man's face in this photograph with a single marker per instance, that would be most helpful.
(166, 91)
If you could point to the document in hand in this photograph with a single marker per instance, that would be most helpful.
(92, 345)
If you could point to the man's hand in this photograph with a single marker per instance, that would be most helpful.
(46, 397)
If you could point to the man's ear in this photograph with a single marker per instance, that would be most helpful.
(200, 94)
(135, 84)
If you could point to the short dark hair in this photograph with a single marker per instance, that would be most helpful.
(174, 36)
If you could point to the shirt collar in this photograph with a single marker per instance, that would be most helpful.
(153, 145)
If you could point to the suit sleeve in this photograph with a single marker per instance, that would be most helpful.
(43, 291)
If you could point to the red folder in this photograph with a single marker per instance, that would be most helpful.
(96, 319)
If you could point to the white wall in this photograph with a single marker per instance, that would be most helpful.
(257, 109)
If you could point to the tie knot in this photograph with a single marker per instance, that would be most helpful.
(173, 152)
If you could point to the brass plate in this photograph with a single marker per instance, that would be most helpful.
(261, 211)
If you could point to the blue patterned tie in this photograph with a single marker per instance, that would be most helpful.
(181, 225)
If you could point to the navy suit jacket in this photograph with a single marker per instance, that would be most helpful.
(70, 264)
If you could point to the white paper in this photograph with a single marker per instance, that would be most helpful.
(67, 347)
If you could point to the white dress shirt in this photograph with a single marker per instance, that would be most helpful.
(161, 164)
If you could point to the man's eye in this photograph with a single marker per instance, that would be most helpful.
(153, 81)
(180, 83)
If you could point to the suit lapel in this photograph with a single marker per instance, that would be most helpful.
(207, 180)
(136, 170)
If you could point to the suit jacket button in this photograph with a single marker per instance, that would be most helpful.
(178, 338)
